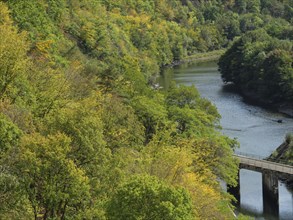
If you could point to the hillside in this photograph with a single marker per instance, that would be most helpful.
(84, 135)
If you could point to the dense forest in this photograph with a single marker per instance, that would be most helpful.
(260, 62)
(84, 135)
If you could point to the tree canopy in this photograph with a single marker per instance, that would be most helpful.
(84, 135)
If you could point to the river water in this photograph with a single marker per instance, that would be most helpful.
(256, 129)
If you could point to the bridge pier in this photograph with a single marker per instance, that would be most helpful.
(271, 171)
(270, 189)
(235, 191)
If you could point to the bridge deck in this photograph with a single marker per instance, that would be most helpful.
(265, 165)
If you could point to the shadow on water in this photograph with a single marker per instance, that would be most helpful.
(254, 101)
(230, 88)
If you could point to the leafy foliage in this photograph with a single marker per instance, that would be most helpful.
(82, 128)
(148, 198)
(261, 65)
(49, 177)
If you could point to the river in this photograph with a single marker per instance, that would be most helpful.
(256, 129)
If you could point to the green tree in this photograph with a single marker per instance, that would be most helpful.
(121, 126)
(151, 113)
(146, 197)
(193, 115)
(54, 186)
(249, 22)
(9, 135)
(260, 65)
(82, 123)
(278, 75)
(188, 164)
(13, 60)
(229, 24)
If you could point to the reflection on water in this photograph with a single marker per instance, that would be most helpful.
(255, 128)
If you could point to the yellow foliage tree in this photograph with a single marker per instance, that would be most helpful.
(179, 164)
(13, 60)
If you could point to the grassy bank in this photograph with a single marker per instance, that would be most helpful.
(202, 57)
(199, 57)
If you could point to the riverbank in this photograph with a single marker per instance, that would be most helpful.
(199, 57)
(284, 154)
(256, 100)
(284, 107)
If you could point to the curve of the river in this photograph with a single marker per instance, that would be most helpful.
(255, 128)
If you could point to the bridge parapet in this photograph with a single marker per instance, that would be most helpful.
(259, 164)
(254, 156)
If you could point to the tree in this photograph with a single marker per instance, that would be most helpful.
(9, 135)
(278, 75)
(193, 115)
(190, 164)
(260, 65)
(146, 197)
(13, 60)
(121, 126)
(54, 186)
(31, 15)
(151, 113)
(235, 64)
(229, 24)
(249, 22)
